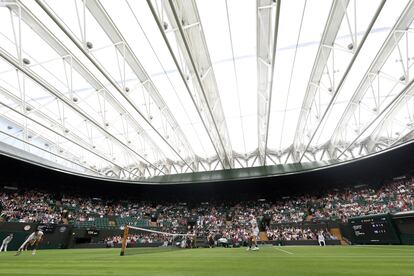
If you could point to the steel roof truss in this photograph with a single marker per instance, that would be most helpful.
(98, 11)
(267, 21)
(372, 79)
(306, 131)
(63, 52)
(199, 65)
(83, 47)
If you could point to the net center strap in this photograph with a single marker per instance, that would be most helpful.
(157, 232)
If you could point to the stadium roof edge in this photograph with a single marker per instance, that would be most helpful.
(206, 177)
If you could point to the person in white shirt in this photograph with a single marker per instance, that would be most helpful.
(34, 240)
(254, 235)
(183, 243)
(165, 243)
(223, 242)
(321, 239)
(6, 242)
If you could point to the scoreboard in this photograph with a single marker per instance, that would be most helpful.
(375, 229)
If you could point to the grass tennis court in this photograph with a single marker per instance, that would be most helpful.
(340, 260)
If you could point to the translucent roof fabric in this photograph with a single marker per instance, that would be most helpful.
(134, 89)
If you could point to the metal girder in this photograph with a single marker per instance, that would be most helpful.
(197, 104)
(337, 13)
(37, 79)
(52, 146)
(100, 68)
(393, 129)
(73, 162)
(390, 112)
(198, 63)
(57, 46)
(405, 138)
(70, 136)
(387, 110)
(373, 73)
(267, 29)
(102, 17)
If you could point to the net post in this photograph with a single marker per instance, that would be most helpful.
(124, 239)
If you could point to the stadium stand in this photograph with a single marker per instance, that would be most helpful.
(281, 219)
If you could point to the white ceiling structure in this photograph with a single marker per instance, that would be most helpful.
(135, 89)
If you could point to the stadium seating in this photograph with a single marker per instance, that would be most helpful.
(229, 219)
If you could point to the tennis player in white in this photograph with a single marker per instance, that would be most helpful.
(321, 239)
(254, 235)
(34, 240)
(6, 242)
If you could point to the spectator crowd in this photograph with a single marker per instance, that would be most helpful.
(132, 239)
(296, 234)
(230, 220)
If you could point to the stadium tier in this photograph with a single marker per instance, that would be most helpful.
(43, 207)
(299, 218)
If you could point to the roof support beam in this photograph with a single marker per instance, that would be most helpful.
(72, 137)
(83, 49)
(181, 15)
(387, 111)
(106, 23)
(267, 29)
(59, 95)
(391, 42)
(57, 46)
(185, 81)
(75, 159)
(337, 13)
(74, 162)
(388, 120)
(403, 139)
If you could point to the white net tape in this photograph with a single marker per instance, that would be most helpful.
(159, 232)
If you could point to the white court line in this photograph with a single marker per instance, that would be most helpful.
(285, 251)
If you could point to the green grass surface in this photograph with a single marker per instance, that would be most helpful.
(338, 260)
